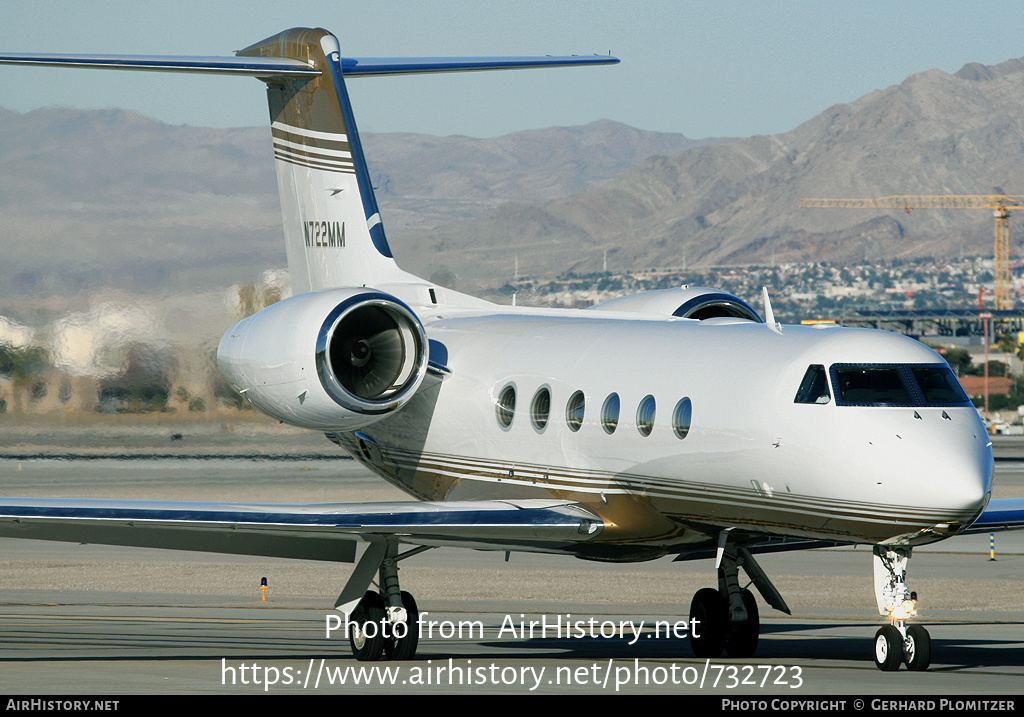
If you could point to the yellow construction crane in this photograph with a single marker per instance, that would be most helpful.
(1000, 204)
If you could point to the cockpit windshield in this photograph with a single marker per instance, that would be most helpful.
(897, 385)
(939, 385)
(882, 385)
(871, 385)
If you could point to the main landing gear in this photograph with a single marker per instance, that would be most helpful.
(383, 621)
(898, 642)
(727, 618)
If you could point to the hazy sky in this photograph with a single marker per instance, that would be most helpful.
(701, 68)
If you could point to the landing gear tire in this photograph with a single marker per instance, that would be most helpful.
(917, 649)
(404, 648)
(709, 633)
(742, 640)
(366, 636)
(888, 649)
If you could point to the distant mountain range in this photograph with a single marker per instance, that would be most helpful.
(738, 203)
(94, 199)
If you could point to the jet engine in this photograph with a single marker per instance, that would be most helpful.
(330, 360)
(688, 302)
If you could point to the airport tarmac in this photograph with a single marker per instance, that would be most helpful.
(83, 619)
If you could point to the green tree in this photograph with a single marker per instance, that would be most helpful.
(959, 360)
(997, 368)
(25, 367)
(1008, 343)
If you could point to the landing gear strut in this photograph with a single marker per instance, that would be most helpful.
(898, 642)
(727, 618)
(383, 621)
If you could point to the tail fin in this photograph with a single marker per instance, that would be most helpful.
(332, 226)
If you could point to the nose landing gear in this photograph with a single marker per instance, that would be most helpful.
(898, 642)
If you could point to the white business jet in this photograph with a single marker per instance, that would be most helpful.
(670, 423)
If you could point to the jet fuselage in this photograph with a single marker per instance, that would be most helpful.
(750, 457)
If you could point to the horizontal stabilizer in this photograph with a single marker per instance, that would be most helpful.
(370, 66)
(262, 67)
(324, 531)
(269, 68)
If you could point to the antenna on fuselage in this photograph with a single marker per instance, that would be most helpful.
(769, 315)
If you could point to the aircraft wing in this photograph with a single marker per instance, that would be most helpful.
(764, 544)
(1001, 514)
(319, 531)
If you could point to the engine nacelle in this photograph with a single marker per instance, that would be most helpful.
(331, 360)
(688, 302)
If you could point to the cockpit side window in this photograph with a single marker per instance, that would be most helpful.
(814, 387)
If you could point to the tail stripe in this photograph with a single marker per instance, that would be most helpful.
(313, 160)
(284, 145)
(341, 168)
(329, 151)
(326, 143)
(311, 133)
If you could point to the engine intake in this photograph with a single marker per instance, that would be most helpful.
(330, 360)
(368, 352)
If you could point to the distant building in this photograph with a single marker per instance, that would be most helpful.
(975, 385)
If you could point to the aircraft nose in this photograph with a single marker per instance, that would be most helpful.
(960, 475)
(976, 483)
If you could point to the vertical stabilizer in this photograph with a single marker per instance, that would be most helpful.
(332, 226)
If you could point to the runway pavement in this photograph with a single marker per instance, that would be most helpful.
(80, 619)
